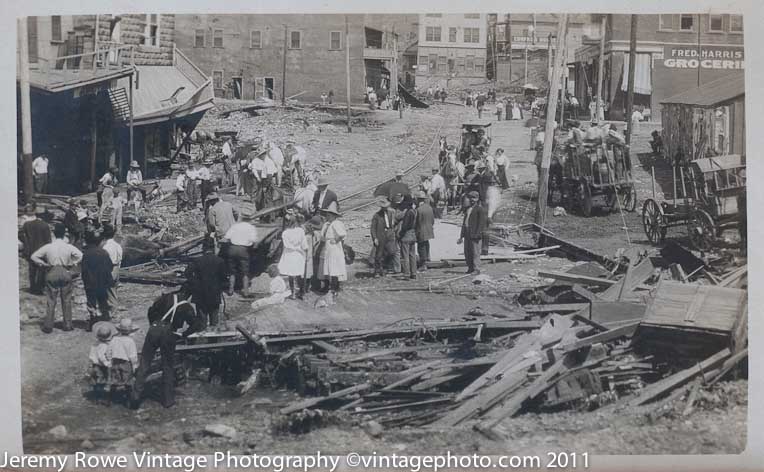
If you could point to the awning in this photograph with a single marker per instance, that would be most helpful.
(642, 74)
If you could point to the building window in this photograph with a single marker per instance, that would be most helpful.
(460, 65)
(442, 65)
(432, 62)
(217, 38)
(451, 35)
(55, 28)
(715, 23)
(665, 22)
(295, 40)
(479, 65)
(199, 38)
(335, 40)
(32, 38)
(736, 23)
(423, 61)
(255, 39)
(471, 35)
(470, 63)
(472, 16)
(151, 31)
(686, 22)
(217, 79)
(432, 33)
(434, 15)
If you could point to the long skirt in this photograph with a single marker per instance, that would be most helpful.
(493, 195)
(334, 261)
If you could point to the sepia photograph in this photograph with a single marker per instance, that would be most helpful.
(482, 233)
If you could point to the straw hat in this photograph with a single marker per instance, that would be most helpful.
(134, 165)
(480, 165)
(399, 173)
(421, 196)
(473, 194)
(332, 209)
(383, 203)
(315, 222)
(125, 326)
(104, 330)
(322, 182)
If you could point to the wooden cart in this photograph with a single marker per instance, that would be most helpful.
(468, 137)
(712, 194)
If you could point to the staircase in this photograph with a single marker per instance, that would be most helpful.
(120, 106)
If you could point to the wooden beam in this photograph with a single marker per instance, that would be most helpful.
(556, 307)
(326, 347)
(311, 402)
(623, 331)
(435, 401)
(576, 279)
(204, 347)
(592, 297)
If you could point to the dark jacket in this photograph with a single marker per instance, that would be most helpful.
(330, 197)
(379, 232)
(425, 220)
(407, 232)
(485, 180)
(206, 277)
(34, 234)
(475, 226)
(96, 270)
(184, 314)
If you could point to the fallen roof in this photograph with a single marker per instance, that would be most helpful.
(712, 93)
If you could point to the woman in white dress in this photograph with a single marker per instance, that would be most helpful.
(292, 262)
(333, 254)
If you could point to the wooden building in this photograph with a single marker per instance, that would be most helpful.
(706, 121)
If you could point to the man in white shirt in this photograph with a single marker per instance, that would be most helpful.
(40, 173)
(134, 180)
(277, 158)
(205, 178)
(437, 191)
(241, 237)
(180, 191)
(192, 185)
(297, 163)
(114, 250)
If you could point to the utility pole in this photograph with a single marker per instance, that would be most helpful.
(549, 59)
(508, 52)
(394, 78)
(26, 110)
(551, 110)
(347, 70)
(600, 67)
(283, 67)
(699, 49)
(132, 64)
(630, 90)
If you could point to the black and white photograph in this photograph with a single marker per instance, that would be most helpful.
(385, 233)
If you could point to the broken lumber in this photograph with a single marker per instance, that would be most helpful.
(728, 365)
(209, 346)
(149, 278)
(556, 307)
(576, 279)
(311, 402)
(636, 277)
(182, 246)
(623, 331)
(326, 347)
(434, 401)
(578, 252)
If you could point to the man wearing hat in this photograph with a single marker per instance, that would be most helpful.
(205, 180)
(96, 278)
(192, 185)
(40, 173)
(134, 181)
(221, 215)
(34, 234)
(473, 227)
(323, 197)
(180, 191)
(277, 157)
(425, 221)
(437, 191)
(383, 240)
(257, 173)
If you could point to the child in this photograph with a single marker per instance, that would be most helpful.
(106, 197)
(101, 356)
(292, 263)
(124, 356)
(137, 202)
(117, 203)
(278, 290)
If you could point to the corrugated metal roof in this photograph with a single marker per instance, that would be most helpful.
(712, 93)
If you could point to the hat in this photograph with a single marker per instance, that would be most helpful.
(213, 196)
(39, 210)
(332, 209)
(104, 330)
(399, 173)
(480, 165)
(473, 194)
(134, 164)
(83, 203)
(315, 222)
(397, 198)
(322, 182)
(126, 326)
(435, 169)
(208, 162)
(383, 202)
(421, 196)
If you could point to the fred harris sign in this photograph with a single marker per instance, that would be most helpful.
(708, 57)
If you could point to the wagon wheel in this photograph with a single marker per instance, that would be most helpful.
(585, 198)
(701, 229)
(653, 221)
(629, 199)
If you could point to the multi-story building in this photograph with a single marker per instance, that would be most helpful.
(251, 56)
(452, 50)
(98, 80)
(674, 53)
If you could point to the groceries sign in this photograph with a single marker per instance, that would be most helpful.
(710, 57)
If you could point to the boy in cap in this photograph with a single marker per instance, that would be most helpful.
(425, 221)
(101, 358)
(124, 357)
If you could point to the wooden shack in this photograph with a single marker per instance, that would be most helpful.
(706, 121)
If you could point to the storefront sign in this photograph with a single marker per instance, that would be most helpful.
(708, 57)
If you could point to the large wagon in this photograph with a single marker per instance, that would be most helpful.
(469, 138)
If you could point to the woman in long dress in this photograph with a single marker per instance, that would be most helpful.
(292, 262)
(333, 255)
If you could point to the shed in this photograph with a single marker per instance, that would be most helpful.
(706, 121)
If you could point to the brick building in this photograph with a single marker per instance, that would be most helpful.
(452, 50)
(244, 54)
(668, 47)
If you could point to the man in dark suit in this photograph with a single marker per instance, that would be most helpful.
(324, 197)
(473, 226)
(383, 236)
(35, 234)
(425, 220)
(207, 277)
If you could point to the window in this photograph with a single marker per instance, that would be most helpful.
(472, 16)
(55, 28)
(295, 40)
(335, 40)
(199, 38)
(736, 23)
(32, 38)
(432, 62)
(432, 33)
(715, 23)
(151, 31)
(442, 65)
(665, 22)
(451, 66)
(217, 38)
(451, 35)
(470, 63)
(460, 65)
(217, 79)
(471, 35)
(686, 22)
(479, 65)
(255, 39)
(434, 15)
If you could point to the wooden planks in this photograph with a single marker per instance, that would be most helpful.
(623, 331)
(311, 402)
(556, 307)
(577, 279)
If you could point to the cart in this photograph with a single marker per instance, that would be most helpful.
(712, 200)
(593, 175)
(468, 138)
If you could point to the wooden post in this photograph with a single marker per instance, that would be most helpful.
(632, 66)
(93, 144)
(394, 79)
(347, 70)
(600, 67)
(95, 43)
(131, 122)
(549, 128)
(549, 71)
(26, 110)
(699, 49)
(283, 67)
(652, 172)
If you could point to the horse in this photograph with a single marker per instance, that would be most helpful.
(450, 173)
(443, 143)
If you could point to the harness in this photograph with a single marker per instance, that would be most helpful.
(175, 305)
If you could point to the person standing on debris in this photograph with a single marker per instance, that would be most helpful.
(74, 219)
(241, 237)
(333, 234)
(407, 235)
(437, 192)
(277, 157)
(96, 278)
(324, 197)
(292, 262)
(117, 208)
(227, 151)
(331, 96)
(297, 163)
(34, 234)
(205, 182)
(168, 314)
(502, 164)
(220, 217)
(323, 98)
(206, 277)
(114, 250)
(425, 221)
(243, 175)
(180, 191)
(383, 236)
(40, 173)
(473, 227)
(107, 181)
(134, 180)
(59, 257)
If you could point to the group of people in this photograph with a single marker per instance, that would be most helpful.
(509, 108)
(437, 94)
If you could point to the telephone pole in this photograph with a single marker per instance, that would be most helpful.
(26, 110)
(551, 111)
(630, 89)
(600, 67)
(283, 67)
(347, 70)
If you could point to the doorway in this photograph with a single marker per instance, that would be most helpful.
(268, 92)
(237, 87)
